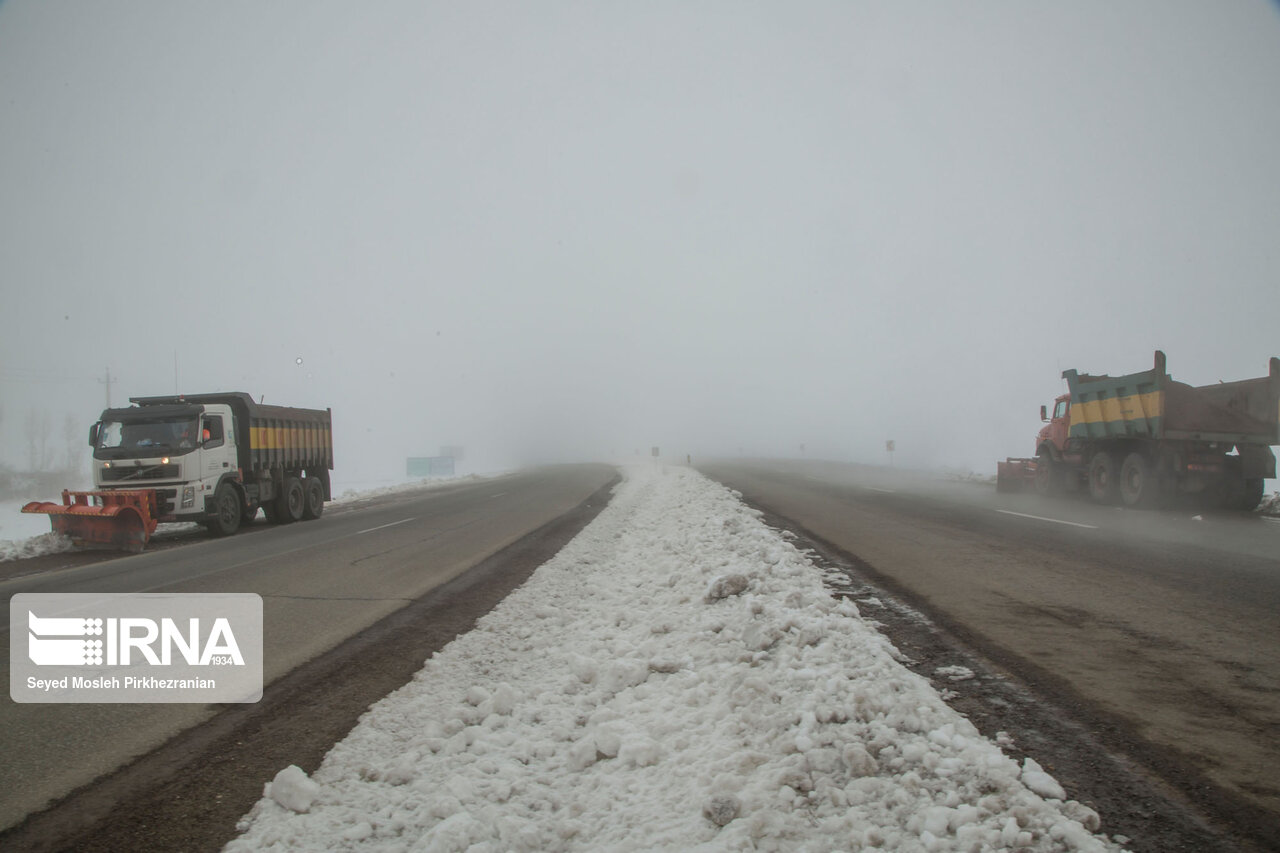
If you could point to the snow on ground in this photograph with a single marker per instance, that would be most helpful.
(677, 678)
(24, 535)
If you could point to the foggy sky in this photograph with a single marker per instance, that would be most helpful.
(574, 230)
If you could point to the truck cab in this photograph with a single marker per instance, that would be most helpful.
(1057, 426)
(182, 451)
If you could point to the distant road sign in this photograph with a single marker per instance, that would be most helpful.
(888, 445)
(655, 451)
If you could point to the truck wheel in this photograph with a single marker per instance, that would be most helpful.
(1049, 475)
(226, 503)
(1139, 483)
(1104, 480)
(290, 501)
(313, 493)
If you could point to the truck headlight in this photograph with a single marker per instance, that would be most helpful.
(188, 497)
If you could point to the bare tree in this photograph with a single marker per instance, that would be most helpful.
(39, 451)
(71, 434)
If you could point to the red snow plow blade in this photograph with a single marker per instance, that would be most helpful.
(1014, 475)
(122, 521)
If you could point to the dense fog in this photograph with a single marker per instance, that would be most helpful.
(564, 231)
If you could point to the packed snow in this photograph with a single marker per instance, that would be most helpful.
(677, 678)
(24, 535)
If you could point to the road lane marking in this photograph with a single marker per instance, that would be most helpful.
(886, 491)
(382, 526)
(498, 495)
(1042, 518)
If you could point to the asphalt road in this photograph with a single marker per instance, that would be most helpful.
(1159, 624)
(321, 583)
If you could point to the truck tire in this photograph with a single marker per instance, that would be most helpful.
(1049, 475)
(1139, 482)
(1252, 495)
(227, 511)
(313, 494)
(1104, 477)
(290, 501)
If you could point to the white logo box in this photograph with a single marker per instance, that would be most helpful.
(135, 647)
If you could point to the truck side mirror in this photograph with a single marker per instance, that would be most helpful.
(1044, 413)
(93, 434)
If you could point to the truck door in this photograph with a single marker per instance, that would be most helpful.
(216, 459)
(1060, 425)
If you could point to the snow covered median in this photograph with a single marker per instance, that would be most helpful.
(677, 678)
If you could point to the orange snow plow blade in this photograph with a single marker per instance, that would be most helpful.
(122, 521)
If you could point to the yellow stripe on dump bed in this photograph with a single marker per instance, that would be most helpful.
(312, 437)
(1133, 407)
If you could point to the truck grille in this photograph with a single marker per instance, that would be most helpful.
(166, 501)
(134, 473)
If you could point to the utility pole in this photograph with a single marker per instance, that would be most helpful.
(107, 384)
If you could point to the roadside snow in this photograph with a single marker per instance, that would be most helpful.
(24, 535)
(677, 678)
(34, 546)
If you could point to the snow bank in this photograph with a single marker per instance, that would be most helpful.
(34, 546)
(24, 535)
(677, 678)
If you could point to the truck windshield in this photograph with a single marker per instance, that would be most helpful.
(172, 436)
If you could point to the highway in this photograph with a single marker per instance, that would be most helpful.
(1159, 627)
(322, 582)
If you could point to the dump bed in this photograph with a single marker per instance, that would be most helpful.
(1152, 405)
(268, 436)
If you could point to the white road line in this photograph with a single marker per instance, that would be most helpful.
(498, 495)
(886, 491)
(1042, 518)
(381, 526)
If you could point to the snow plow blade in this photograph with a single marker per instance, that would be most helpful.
(1014, 475)
(120, 521)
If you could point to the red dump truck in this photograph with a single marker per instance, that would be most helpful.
(209, 458)
(1143, 438)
